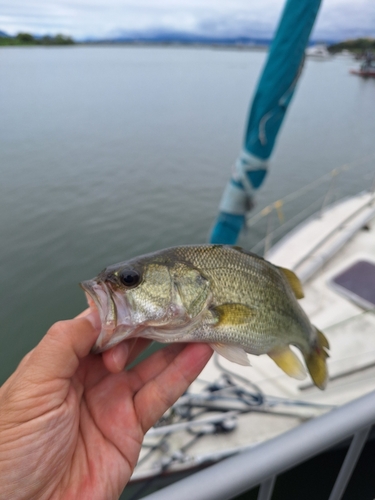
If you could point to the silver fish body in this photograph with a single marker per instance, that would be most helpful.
(232, 299)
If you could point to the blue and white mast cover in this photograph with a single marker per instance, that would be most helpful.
(272, 97)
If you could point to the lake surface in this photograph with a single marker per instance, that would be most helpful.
(109, 152)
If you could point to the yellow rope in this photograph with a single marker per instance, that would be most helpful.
(280, 214)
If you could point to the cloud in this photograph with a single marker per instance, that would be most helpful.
(346, 18)
(96, 18)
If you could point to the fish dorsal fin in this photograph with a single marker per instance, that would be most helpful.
(293, 281)
(233, 314)
(232, 353)
(238, 248)
(289, 362)
(246, 252)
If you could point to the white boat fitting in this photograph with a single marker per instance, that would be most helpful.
(232, 409)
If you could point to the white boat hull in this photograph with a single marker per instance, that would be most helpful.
(316, 250)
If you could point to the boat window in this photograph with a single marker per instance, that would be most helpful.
(357, 283)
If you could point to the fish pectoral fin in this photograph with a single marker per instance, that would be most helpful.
(232, 353)
(289, 362)
(233, 314)
(226, 316)
(293, 281)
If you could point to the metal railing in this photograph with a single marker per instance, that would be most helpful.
(262, 464)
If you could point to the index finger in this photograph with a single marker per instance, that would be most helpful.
(160, 393)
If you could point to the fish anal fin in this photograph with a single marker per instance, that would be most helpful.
(293, 281)
(316, 361)
(232, 353)
(233, 314)
(289, 362)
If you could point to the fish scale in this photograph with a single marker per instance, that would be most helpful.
(252, 282)
(232, 299)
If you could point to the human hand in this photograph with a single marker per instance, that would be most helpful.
(72, 423)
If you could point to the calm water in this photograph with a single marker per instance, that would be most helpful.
(109, 152)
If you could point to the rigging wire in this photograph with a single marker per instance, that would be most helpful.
(279, 205)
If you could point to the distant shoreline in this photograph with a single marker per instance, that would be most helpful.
(175, 44)
(357, 46)
(28, 40)
(215, 46)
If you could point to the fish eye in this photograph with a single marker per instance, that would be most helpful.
(130, 278)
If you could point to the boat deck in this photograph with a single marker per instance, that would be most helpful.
(349, 328)
(311, 244)
(316, 251)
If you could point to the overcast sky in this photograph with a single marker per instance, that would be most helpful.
(102, 18)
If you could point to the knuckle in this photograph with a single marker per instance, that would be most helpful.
(57, 334)
(163, 396)
(57, 329)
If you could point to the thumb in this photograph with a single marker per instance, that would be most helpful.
(58, 353)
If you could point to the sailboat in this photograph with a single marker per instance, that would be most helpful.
(233, 411)
(318, 51)
(255, 422)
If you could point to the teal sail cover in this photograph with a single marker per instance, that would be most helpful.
(272, 97)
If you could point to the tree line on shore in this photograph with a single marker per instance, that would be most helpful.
(359, 45)
(28, 39)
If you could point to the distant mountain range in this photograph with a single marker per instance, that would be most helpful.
(181, 37)
(170, 37)
(173, 36)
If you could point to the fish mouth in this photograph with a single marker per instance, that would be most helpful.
(114, 311)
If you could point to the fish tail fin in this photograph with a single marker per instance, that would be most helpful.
(316, 360)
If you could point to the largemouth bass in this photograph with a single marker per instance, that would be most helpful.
(232, 299)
